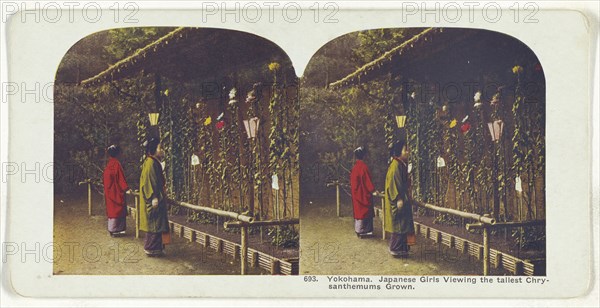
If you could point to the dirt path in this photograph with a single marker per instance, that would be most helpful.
(329, 246)
(82, 246)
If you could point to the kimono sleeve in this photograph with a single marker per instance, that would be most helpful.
(151, 187)
(394, 189)
(367, 180)
(121, 179)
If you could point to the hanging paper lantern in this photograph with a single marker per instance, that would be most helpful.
(441, 162)
(496, 129)
(465, 128)
(518, 186)
(275, 182)
(453, 123)
(163, 164)
(409, 167)
(400, 121)
(220, 125)
(195, 160)
(153, 118)
(251, 127)
(207, 121)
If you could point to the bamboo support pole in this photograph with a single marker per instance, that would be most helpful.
(89, 185)
(337, 199)
(509, 224)
(383, 219)
(337, 194)
(244, 251)
(137, 217)
(476, 217)
(486, 251)
(217, 212)
(381, 195)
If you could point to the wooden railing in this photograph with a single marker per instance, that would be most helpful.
(241, 221)
(484, 222)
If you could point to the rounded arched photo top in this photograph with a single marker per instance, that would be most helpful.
(361, 56)
(184, 53)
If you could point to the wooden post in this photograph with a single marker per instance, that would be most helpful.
(137, 218)
(90, 198)
(255, 259)
(382, 218)
(486, 251)
(337, 198)
(244, 251)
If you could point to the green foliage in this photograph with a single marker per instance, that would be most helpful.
(284, 236)
(125, 41)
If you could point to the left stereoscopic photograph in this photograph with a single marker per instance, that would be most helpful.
(177, 154)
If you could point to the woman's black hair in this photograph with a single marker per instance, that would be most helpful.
(151, 145)
(360, 152)
(396, 149)
(113, 150)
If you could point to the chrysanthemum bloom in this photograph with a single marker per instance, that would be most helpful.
(207, 121)
(465, 127)
(274, 66)
(220, 125)
(453, 123)
(517, 69)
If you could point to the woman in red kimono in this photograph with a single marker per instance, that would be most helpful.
(115, 187)
(362, 191)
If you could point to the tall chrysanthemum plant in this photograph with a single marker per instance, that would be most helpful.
(453, 160)
(256, 158)
(483, 174)
(276, 134)
(249, 149)
(221, 161)
(412, 129)
(468, 169)
(289, 133)
(205, 138)
(233, 148)
(188, 136)
(141, 133)
(521, 153)
(293, 133)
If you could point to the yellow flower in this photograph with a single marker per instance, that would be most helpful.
(166, 92)
(274, 66)
(517, 69)
(207, 121)
(453, 123)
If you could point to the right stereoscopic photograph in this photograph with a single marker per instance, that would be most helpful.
(422, 152)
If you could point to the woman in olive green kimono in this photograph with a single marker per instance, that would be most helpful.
(398, 208)
(153, 200)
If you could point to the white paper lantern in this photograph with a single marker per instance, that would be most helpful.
(195, 160)
(275, 182)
